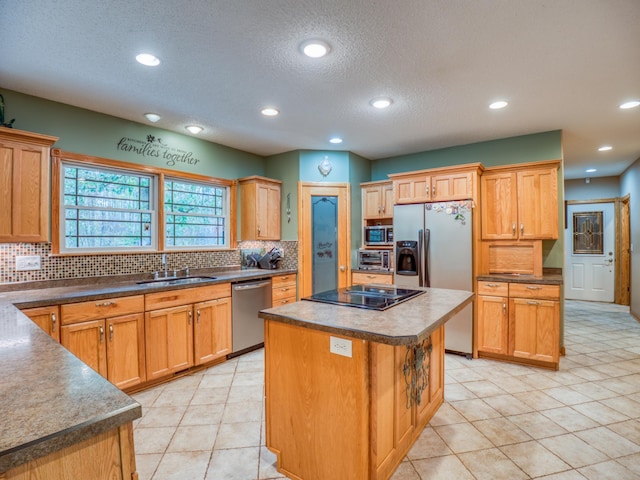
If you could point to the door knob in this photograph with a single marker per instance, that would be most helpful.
(342, 268)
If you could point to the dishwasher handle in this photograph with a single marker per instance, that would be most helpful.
(251, 286)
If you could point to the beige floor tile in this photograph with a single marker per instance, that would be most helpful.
(491, 464)
(146, 464)
(608, 470)
(569, 419)
(483, 388)
(187, 382)
(573, 450)
(632, 462)
(593, 391)
(629, 430)
(248, 378)
(405, 471)
(152, 440)
(193, 438)
(501, 431)
(564, 377)
(568, 475)
(182, 466)
(609, 442)
(242, 412)
(589, 374)
(539, 381)
(428, 445)
(465, 375)
(233, 464)
(537, 425)
(538, 400)
(446, 415)
(463, 437)
(567, 395)
(508, 405)
(162, 416)
(268, 468)
(474, 409)
(238, 435)
(147, 397)
(624, 405)
(457, 391)
(600, 413)
(534, 459)
(203, 415)
(214, 381)
(210, 396)
(246, 393)
(442, 468)
(173, 397)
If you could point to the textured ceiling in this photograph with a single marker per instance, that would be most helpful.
(562, 64)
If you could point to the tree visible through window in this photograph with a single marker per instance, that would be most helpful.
(195, 214)
(106, 209)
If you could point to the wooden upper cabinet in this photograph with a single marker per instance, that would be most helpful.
(260, 208)
(436, 185)
(24, 186)
(377, 200)
(520, 205)
(412, 189)
(454, 186)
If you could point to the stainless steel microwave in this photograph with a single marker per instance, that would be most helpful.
(378, 235)
(375, 259)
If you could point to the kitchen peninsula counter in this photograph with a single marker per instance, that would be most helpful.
(348, 391)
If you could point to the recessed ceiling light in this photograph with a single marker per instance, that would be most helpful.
(152, 117)
(631, 104)
(195, 129)
(591, 170)
(270, 112)
(381, 102)
(335, 140)
(498, 105)
(315, 48)
(148, 59)
(605, 148)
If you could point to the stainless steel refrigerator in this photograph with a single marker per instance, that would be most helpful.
(433, 248)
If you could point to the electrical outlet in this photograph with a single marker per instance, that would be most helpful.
(340, 346)
(27, 263)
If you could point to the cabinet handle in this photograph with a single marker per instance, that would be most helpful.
(105, 304)
(258, 229)
(534, 287)
(433, 189)
(371, 276)
(190, 317)
(383, 209)
(532, 302)
(284, 289)
(111, 332)
(521, 228)
(378, 208)
(492, 285)
(53, 322)
(101, 334)
(513, 228)
(198, 316)
(504, 308)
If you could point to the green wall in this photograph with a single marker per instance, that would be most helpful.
(286, 167)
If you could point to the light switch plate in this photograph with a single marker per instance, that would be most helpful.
(340, 346)
(24, 262)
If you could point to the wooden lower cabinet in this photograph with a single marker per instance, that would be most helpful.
(169, 340)
(212, 330)
(107, 455)
(359, 278)
(519, 322)
(283, 289)
(113, 347)
(47, 318)
(332, 416)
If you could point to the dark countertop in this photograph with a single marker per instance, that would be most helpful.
(51, 399)
(549, 277)
(404, 324)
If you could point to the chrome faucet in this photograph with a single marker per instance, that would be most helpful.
(164, 265)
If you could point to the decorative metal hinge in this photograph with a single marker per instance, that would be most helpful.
(417, 363)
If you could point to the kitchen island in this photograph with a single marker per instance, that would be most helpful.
(349, 390)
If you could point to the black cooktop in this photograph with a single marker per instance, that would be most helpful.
(370, 297)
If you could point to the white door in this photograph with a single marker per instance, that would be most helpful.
(589, 252)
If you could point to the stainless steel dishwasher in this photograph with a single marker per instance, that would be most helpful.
(247, 299)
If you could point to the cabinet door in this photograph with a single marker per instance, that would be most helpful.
(168, 340)
(47, 318)
(493, 324)
(499, 206)
(268, 212)
(125, 350)
(87, 342)
(416, 189)
(456, 186)
(212, 330)
(371, 202)
(534, 326)
(538, 204)
(387, 200)
(433, 395)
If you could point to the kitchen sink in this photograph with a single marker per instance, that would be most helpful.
(166, 281)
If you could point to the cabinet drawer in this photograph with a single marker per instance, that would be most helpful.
(282, 280)
(283, 291)
(497, 289)
(364, 278)
(526, 290)
(174, 298)
(282, 301)
(97, 309)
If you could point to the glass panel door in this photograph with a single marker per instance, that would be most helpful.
(324, 225)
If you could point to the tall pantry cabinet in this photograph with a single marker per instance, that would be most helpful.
(24, 185)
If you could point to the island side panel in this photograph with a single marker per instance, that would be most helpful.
(317, 404)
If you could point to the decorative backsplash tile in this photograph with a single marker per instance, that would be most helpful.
(74, 266)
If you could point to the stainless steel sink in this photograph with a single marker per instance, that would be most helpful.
(176, 280)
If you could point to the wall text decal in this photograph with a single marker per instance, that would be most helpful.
(154, 147)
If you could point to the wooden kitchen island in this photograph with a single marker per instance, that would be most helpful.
(348, 390)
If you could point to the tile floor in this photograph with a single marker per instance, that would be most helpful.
(499, 421)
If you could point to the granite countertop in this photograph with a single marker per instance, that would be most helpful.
(51, 399)
(548, 277)
(404, 324)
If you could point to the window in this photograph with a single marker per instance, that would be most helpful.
(195, 214)
(107, 209)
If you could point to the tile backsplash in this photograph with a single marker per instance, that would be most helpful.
(74, 266)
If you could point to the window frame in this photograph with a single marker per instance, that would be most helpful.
(59, 157)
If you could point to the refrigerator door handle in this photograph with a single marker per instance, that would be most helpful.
(419, 257)
(427, 238)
